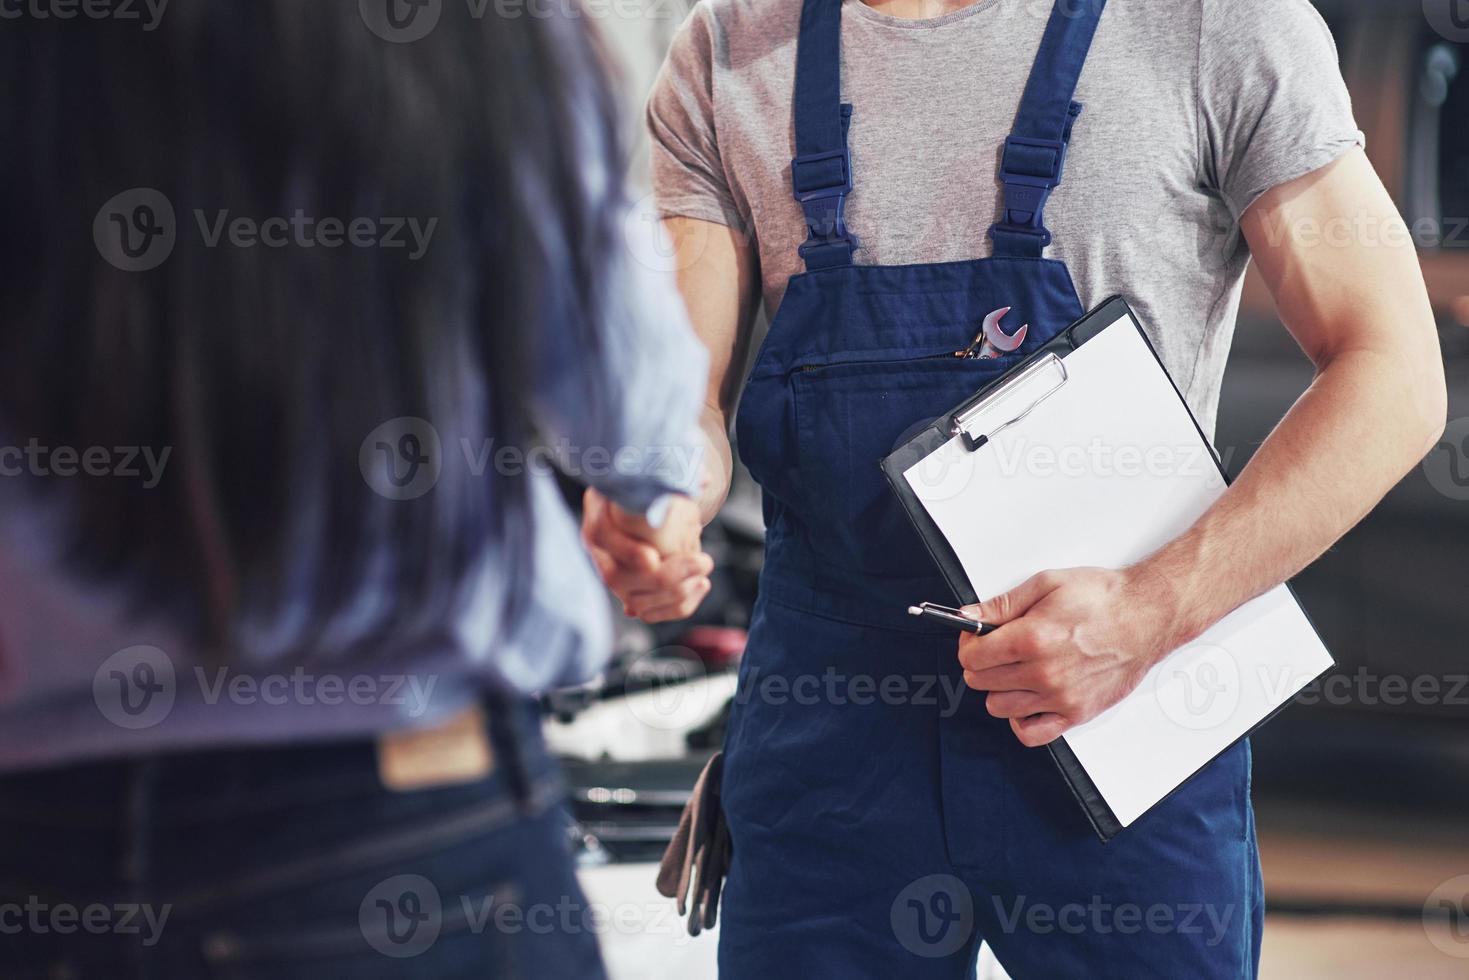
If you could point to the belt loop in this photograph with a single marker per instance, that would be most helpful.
(138, 828)
(509, 748)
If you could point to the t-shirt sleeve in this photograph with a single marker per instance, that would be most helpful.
(689, 178)
(1272, 103)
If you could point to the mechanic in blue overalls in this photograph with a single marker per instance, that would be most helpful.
(882, 827)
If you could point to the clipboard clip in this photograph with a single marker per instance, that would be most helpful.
(1011, 402)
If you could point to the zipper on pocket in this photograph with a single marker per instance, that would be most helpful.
(943, 356)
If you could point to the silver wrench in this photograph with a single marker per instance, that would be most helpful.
(992, 341)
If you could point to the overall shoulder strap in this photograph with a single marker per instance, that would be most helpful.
(1035, 152)
(821, 173)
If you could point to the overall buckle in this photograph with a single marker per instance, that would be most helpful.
(1030, 169)
(822, 182)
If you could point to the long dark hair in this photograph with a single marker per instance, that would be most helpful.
(263, 369)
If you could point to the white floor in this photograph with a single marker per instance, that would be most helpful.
(643, 937)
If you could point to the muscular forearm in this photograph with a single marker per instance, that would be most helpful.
(1364, 422)
(1359, 309)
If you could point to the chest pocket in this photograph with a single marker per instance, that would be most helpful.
(848, 417)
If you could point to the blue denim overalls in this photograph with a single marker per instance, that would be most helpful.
(882, 822)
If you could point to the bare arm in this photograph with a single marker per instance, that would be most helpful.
(719, 287)
(1348, 286)
(1359, 309)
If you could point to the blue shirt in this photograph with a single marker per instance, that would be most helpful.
(81, 677)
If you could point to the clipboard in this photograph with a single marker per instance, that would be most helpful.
(1094, 758)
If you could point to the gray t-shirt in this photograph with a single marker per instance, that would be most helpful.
(1194, 108)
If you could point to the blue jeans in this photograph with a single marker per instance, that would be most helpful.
(290, 862)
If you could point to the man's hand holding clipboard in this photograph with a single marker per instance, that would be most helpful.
(1075, 643)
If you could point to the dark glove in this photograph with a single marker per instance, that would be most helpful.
(697, 859)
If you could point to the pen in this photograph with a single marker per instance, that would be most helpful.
(951, 617)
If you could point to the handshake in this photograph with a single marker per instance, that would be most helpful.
(661, 574)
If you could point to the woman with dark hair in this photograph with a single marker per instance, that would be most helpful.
(299, 303)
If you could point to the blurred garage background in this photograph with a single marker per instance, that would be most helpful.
(1361, 789)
